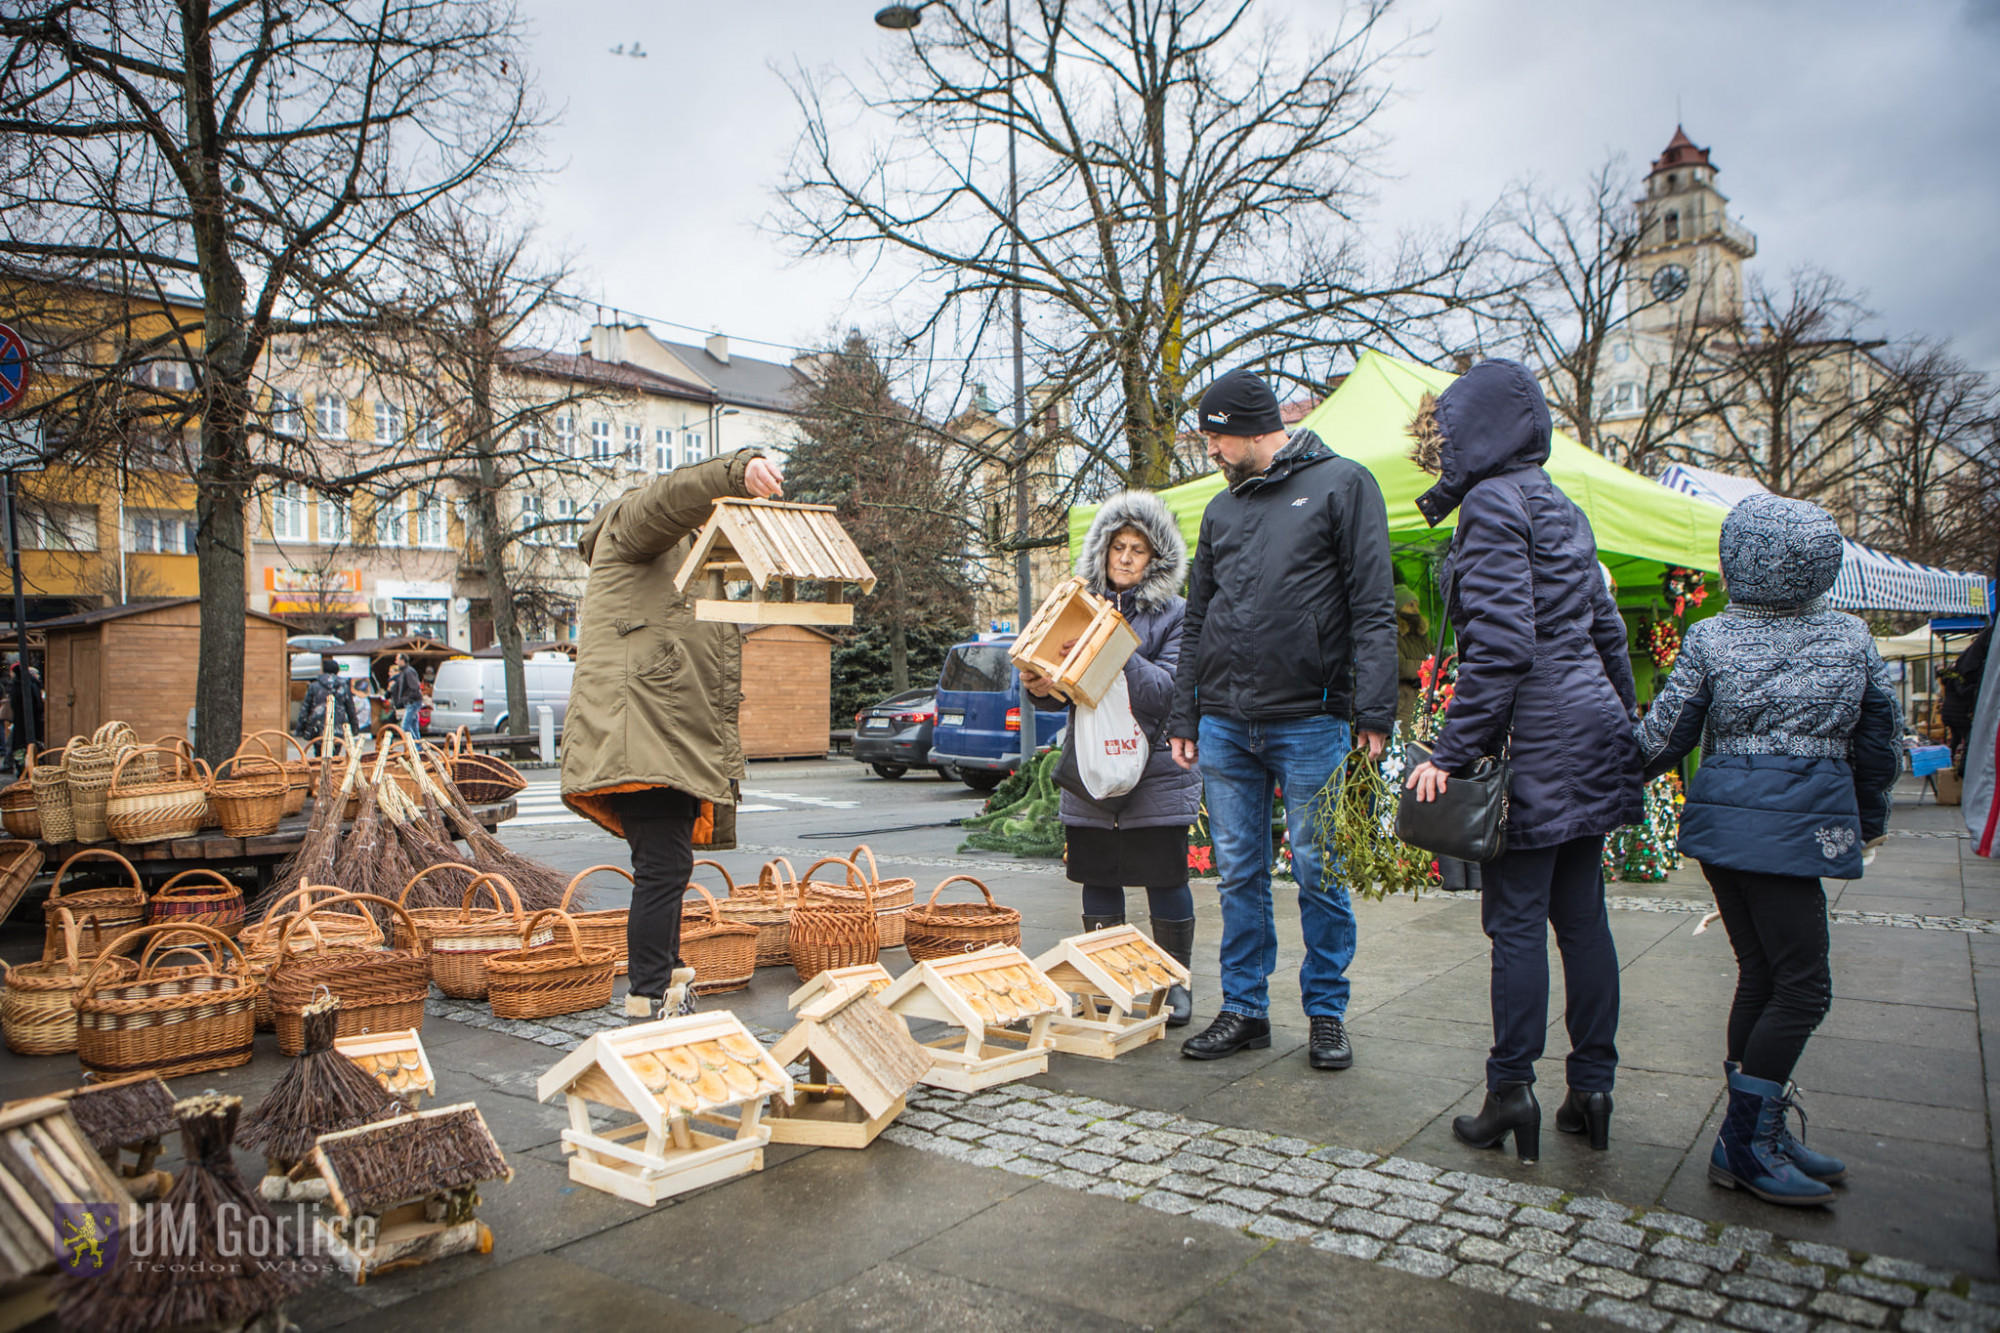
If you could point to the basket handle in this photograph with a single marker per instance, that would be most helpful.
(125, 756)
(853, 874)
(108, 963)
(215, 880)
(494, 882)
(285, 935)
(721, 870)
(862, 849)
(581, 875)
(169, 941)
(100, 853)
(239, 761)
(714, 912)
(534, 923)
(285, 741)
(975, 883)
(72, 931)
(403, 898)
(769, 882)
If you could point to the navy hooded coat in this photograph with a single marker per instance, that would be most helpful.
(1542, 650)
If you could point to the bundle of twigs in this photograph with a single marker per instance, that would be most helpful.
(425, 843)
(322, 1092)
(312, 862)
(539, 886)
(371, 858)
(242, 1263)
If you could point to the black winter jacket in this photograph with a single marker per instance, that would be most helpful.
(1291, 602)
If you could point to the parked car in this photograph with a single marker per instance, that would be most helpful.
(894, 736)
(978, 727)
(315, 643)
(471, 692)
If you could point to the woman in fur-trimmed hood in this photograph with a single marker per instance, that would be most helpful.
(1134, 557)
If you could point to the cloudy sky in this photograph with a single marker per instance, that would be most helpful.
(1851, 134)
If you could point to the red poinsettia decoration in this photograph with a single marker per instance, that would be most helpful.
(1201, 858)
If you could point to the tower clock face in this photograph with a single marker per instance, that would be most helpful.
(1670, 282)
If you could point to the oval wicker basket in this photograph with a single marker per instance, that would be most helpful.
(169, 1020)
(482, 779)
(250, 800)
(104, 914)
(460, 939)
(173, 805)
(20, 861)
(768, 905)
(50, 787)
(38, 1007)
(198, 897)
(604, 929)
(353, 931)
(940, 930)
(835, 932)
(722, 953)
(88, 766)
(546, 980)
(892, 896)
(380, 990)
(18, 813)
(298, 772)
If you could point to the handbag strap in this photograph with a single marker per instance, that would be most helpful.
(1437, 653)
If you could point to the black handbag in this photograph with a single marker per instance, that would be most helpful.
(1468, 819)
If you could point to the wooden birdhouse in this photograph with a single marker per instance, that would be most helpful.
(774, 546)
(404, 1191)
(981, 993)
(396, 1059)
(1100, 642)
(59, 1207)
(1119, 978)
(872, 975)
(127, 1115)
(862, 1063)
(666, 1074)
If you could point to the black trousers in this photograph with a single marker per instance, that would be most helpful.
(1525, 893)
(659, 828)
(1784, 982)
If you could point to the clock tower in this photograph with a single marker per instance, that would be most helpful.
(1689, 266)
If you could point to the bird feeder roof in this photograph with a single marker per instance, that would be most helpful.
(763, 540)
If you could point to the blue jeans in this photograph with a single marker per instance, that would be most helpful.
(1241, 764)
(410, 715)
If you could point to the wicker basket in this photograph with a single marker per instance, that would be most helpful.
(768, 905)
(199, 897)
(173, 805)
(332, 933)
(104, 914)
(835, 932)
(250, 800)
(892, 896)
(88, 766)
(380, 990)
(20, 861)
(482, 779)
(298, 772)
(50, 786)
(543, 981)
(940, 930)
(722, 953)
(602, 929)
(460, 939)
(18, 813)
(170, 1020)
(38, 1008)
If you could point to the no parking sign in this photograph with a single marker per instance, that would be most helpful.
(13, 368)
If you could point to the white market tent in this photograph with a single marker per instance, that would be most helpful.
(1870, 580)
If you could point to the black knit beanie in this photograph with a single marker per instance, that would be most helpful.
(1240, 404)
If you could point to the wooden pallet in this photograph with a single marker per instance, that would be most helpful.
(1119, 979)
(1103, 642)
(981, 994)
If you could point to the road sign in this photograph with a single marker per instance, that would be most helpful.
(13, 368)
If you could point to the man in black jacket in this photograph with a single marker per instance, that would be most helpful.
(1290, 634)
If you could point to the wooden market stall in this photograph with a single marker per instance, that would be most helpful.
(787, 692)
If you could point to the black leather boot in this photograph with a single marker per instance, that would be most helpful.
(1509, 1108)
(1227, 1035)
(1176, 938)
(1586, 1111)
(1102, 922)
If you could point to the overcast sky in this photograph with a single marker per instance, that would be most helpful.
(1852, 134)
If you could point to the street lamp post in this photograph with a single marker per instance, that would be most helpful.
(716, 413)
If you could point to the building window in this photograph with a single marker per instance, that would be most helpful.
(388, 422)
(531, 440)
(565, 435)
(600, 442)
(1673, 225)
(565, 512)
(392, 522)
(531, 515)
(160, 533)
(330, 415)
(57, 527)
(170, 374)
(663, 449)
(1625, 397)
(336, 521)
(288, 513)
(691, 446)
(287, 418)
(430, 434)
(635, 445)
(427, 616)
(430, 519)
(1621, 352)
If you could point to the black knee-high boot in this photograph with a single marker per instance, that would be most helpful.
(1177, 939)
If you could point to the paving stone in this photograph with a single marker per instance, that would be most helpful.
(1207, 1148)
(1611, 1282)
(1543, 1267)
(1613, 1233)
(1747, 1239)
(1090, 1163)
(1985, 1293)
(1013, 1124)
(1852, 1309)
(1035, 1094)
(1414, 1209)
(1242, 1137)
(1235, 1173)
(1278, 1228)
(1156, 1138)
(1013, 1143)
(1312, 1168)
(1480, 1249)
(1194, 1129)
(1138, 1173)
(1424, 1263)
(1873, 1289)
(1113, 1189)
(1114, 1131)
(987, 1157)
(1465, 1180)
(1677, 1223)
(1793, 1275)
(1813, 1252)
(1174, 1204)
(1257, 1159)
(1597, 1253)
(1408, 1170)
(909, 1136)
(1371, 1224)
(1355, 1247)
(1097, 1143)
(1513, 1191)
(1540, 1242)
(1296, 1187)
(1142, 1152)
(1057, 1134)
(1902, 1270)
(1926, 1321)
(1198, 1186)
(1482, 1278)
(1687, 1325)
(1429, 1237)
(1473, 1222)
(1959, 1311)
(1149, 1119)
(1347, 1157)
(1765, 1319)
(1711, 1256)
(1315, 1211)
(1485, 1205)
(1701, 1304)
(1044, 1152)
(1070, 1179)
(1745, 1288)
(1350, 1198)
(1600, 1209)
(1407, 1189)
(979, 1114)
(1096, 1109)
(1675, 1270)
(1222, 1215)
(1540, 1293)
(1250, 1201)
(1628, 1314)
(1544, 1219)
(1192, 1163)
(1025, 1166)
(1290, 1147)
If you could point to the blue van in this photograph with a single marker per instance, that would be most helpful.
(978, 729)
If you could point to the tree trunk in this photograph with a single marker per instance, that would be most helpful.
(500, 592)
(899, 656)
(220, 546)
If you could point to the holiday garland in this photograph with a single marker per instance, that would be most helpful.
(1023, 814)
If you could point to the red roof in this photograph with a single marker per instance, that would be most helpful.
(1681, 152)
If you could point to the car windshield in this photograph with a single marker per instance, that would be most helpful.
(981, 668)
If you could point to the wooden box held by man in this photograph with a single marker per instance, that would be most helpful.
(650, 745)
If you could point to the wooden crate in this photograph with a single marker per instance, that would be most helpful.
(981, 994)
(774, 546)
(410, 1078)
(631, 1070)
(1119, 978)
(862, 1062)
(1103, 643)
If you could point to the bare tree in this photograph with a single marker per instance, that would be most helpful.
(259, 158)
(1931, 484)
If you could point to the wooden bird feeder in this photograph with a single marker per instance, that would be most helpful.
(981, 993)
(47, 1168)
(667, 1074)
(1119, 978)
(404, 1191)
(863, 1063)
(872, 975)
(130, 1114)
(396, 1059)
(1103, 642)
(774, 546)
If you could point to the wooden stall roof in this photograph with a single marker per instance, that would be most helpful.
(773, 539)
(567, 647)
(38, 630)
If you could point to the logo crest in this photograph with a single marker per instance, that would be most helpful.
(86, 1236)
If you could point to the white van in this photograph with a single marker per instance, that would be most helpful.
(471, 692)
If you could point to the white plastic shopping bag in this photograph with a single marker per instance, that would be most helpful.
(1111, 750)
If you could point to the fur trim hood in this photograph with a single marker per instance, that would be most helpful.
(1779, 553)
(1148, 513)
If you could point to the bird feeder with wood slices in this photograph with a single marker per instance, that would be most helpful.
(404, 1191)
(774, 546)
(51, 1166)
(861, 1063)
(1119, 979)
(667, 1075)
(872, 975)
(1100, 643)
(396, 1059)
(982, 994)
(131, 1114)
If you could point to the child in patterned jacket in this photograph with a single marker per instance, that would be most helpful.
(1801, 743)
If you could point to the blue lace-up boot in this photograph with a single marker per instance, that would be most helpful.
(1749, 1152)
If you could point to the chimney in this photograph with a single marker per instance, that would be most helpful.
(718, 347)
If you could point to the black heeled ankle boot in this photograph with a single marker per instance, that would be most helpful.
(1102, 922)
(1586, 1111)
(1176, 938)
(1509, 1108)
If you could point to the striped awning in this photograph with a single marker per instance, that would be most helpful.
(1869, 580)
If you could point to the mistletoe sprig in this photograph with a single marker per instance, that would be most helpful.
(1354, 826)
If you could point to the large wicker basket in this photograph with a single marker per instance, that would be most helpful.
(722, 953)
(248, 795)
(380, 990)
(88, 766)
(198, 897)
(298, 772)
(104, 914)
(482, 779)
(460, 939)
(940, 930)
(20, 860)
(170, 1020)
(546, 980)
(331, 933)
(174, 804)
(603, 929)
(768, 905)
(50, 787)
(892, 896)
(835, 932)
(38, 1008)
(18, 813)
